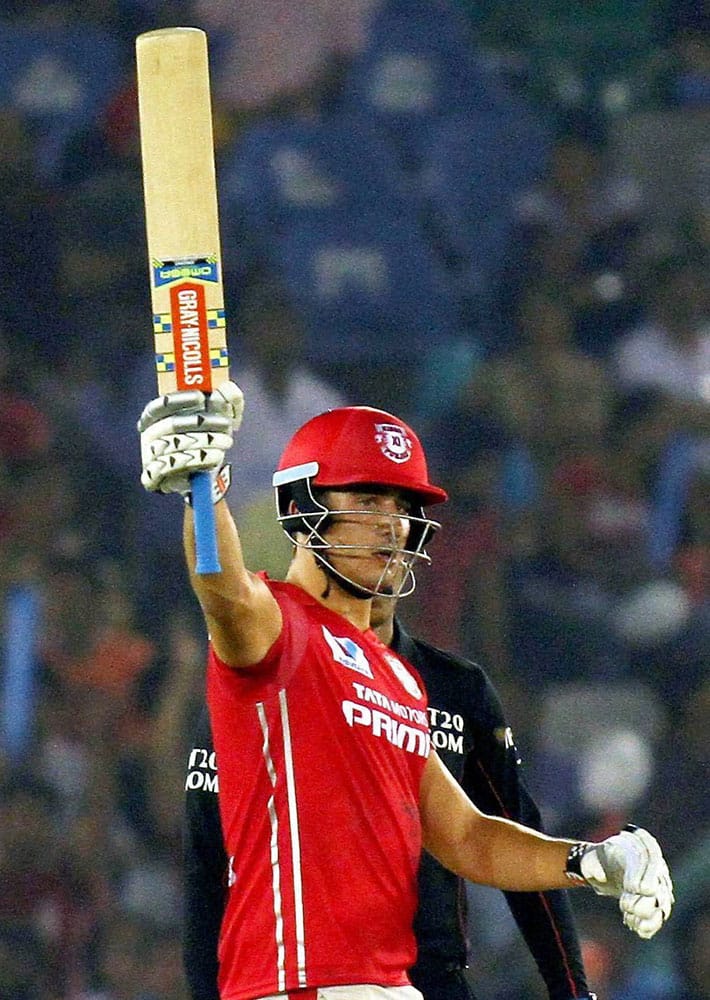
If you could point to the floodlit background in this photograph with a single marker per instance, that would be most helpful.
(491, 218)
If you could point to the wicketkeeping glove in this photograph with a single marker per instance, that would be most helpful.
(631, 867)
(187, 432)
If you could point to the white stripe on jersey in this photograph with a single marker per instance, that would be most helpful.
(360, 992)
(295, 841)
(275, 865)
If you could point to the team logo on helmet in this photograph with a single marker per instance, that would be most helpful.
(393, 441)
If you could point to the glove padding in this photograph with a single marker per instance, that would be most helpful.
(187, 432)
(631, 867)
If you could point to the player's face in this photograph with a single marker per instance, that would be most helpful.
(366, 528)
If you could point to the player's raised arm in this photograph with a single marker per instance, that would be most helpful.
(187, 432)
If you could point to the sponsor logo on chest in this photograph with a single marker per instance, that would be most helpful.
(347, 652)
(404, 726)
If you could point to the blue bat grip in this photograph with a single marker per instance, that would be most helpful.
(206, 554)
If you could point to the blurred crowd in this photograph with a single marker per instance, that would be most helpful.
(492, 219)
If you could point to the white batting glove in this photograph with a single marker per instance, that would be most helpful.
(187, 432)
(631, 867)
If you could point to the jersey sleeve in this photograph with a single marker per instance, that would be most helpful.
(283, 657)
(493, 779)
(204, 867)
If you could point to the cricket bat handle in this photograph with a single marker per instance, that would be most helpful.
(206, 552)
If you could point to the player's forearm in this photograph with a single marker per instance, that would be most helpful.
(242, 615)
(482, 848)
(500, 853)
(218, 591)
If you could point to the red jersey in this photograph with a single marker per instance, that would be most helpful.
(321, 750)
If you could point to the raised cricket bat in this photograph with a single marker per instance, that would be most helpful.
(182, 226)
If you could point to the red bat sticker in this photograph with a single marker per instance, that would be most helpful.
(190, 336)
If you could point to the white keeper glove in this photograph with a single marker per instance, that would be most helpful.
(187, 432)
(631, 867)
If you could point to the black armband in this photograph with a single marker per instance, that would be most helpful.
(573, 867)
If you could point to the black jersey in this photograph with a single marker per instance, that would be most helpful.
(471, 736)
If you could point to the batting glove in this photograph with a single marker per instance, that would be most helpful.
(187, 432)
(631, 867)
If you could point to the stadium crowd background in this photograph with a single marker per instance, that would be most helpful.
(493, 219)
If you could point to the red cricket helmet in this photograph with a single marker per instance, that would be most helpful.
(356, 445)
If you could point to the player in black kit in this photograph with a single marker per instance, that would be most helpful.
(471, 736)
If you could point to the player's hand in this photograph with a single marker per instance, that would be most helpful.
(187, 432)
(631, 867)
